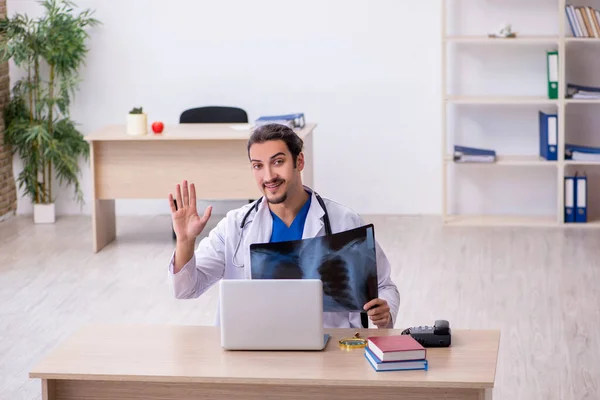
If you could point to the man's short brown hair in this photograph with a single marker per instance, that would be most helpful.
(268, 132)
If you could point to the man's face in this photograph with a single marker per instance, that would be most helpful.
(273, 169)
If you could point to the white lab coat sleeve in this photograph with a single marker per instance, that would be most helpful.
(204, 269)
(388, 290)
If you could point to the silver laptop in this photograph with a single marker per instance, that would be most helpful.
(272, 314)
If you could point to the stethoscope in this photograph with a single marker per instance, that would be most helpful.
(255, 208)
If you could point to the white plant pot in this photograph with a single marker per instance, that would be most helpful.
(137, 124)
(44, 213)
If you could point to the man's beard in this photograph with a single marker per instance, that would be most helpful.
(276, 200)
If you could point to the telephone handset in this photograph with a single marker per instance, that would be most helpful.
(438, 335)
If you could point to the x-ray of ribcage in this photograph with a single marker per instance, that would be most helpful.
(345, 262)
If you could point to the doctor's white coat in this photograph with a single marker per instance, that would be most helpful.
(213, 258)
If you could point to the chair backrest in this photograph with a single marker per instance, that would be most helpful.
(213, 115)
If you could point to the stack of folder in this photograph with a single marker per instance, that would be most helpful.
(395, 353)
(582, 92)
(289, 120)
(581, 153)
(463, 154)
(575, 198)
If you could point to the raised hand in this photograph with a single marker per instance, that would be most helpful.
(187, 224)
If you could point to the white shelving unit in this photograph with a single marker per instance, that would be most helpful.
(558, 42)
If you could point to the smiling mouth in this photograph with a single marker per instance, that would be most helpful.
(274, 185)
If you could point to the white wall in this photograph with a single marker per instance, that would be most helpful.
(367, 72)
(356, 68)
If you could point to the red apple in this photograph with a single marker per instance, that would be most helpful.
(158, 127)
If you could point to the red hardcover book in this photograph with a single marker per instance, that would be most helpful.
(396, 348)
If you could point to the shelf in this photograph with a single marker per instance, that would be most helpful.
(582, 40)
(577, 162)
(541, 100)
(582, 101)
(589, 224)
(519, 40)
(501, 220)
(515, 161)
(515, 221)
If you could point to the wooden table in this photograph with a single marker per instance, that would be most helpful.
(187, 362)
(212, 156)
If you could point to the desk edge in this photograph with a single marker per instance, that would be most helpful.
(262, 381)
(310, 126)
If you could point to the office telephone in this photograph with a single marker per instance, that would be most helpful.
(438, 335)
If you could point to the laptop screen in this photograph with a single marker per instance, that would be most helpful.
(345, 262)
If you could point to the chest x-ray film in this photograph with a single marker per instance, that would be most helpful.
(345, 262)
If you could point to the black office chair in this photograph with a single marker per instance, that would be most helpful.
(213, 115)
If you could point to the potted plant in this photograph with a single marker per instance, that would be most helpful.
(137, 122)
(50, 50)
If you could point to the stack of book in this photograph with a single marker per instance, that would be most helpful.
(584, 21)
(395, 353)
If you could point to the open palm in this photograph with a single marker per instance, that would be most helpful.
(187, 224)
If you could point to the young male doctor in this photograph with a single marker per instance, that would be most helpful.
(288, 211)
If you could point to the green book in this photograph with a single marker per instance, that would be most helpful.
(552, 57)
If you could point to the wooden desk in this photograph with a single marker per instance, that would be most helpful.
(187, 362)
(212, 156)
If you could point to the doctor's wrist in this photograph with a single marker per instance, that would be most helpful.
(184, 250)
(185, 242)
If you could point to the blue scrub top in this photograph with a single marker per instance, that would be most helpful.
(281, 233)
